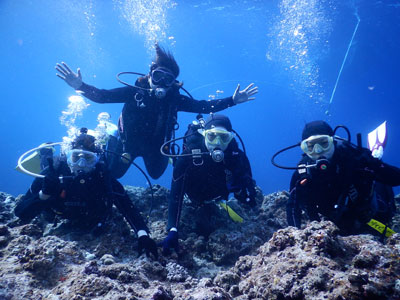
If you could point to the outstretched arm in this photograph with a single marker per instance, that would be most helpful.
(211, 106)
(74, 80)
(245, 95)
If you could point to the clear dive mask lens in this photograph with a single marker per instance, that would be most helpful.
(78, 158)
(317, 144)
(160, 76)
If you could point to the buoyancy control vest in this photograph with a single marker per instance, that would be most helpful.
(154, 117)
(346, 174)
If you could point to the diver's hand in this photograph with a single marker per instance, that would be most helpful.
(74, 80)
(148, 245)
(246, 198)
(245, 95)
(251, 201)
(51, 183)
(170, 242)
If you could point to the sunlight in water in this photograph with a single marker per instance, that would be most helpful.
(75, 109)
(76, 106)
(148, 18)
(104, 129)
(299, 39)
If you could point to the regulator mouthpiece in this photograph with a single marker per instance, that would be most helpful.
(160, 93)
(217, 155)
(126, 158)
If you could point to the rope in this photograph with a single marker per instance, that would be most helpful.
(345, 58)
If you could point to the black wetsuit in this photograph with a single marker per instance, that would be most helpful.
(345, 191)
(146, 122)
(203, 179)
(85, 199)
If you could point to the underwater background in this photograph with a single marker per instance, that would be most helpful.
(292, 50)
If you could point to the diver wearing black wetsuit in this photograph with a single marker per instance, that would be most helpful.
(348, 186)
(149, 115)
(203, 179)
(146, 124)
(85, 194)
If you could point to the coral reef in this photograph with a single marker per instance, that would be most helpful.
(257, 259)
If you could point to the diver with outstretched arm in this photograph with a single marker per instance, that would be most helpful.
(149, 115)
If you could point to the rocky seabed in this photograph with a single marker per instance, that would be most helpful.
(258, 259)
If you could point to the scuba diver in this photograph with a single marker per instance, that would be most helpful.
(149, 115)
(210, 168)
(342, 182)
(80, 189)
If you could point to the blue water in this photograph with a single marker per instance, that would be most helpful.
(292, 50)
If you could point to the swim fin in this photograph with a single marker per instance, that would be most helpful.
(232, 214)
(381, 228)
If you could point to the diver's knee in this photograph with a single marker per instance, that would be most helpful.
(156, 170)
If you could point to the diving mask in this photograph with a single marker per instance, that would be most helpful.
(163, 77)
(81, 160)
(217, 137)
(318, 145)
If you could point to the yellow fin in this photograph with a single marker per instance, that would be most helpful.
(234, 216)
(378, 226)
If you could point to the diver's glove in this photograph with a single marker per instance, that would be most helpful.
(251, 201)
(51, 183)
(246, 198)
(171, 241)
(366, 163)
(146, 244)
(244, 96)
(74, 80)
(372, 162)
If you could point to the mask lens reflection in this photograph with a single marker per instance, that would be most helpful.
(322, 141)
(225, 137)
(317, 144)
(76, 155)
(161, 76)
(213, 136)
